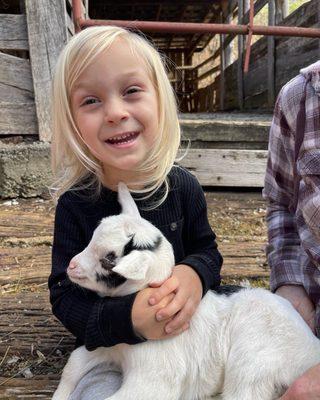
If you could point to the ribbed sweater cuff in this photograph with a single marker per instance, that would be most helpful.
(209, 277)
(112, 316)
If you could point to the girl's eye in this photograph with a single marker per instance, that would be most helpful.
(132, 90)
(90, 100)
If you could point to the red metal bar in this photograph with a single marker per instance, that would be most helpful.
(78, 19)
(191, 27)
(249, 39)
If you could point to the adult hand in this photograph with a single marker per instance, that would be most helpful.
(307, 387)
(301, 302)
(187, 288)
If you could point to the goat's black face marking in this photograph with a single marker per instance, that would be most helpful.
(109, 261)
(112, 280)
(130, 246)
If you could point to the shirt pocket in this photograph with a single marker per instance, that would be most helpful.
(173, 232)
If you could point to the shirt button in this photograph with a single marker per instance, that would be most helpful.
(173, 226)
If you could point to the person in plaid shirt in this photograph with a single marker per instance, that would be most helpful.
(292, 191)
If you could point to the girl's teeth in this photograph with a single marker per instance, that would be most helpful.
(122, 139)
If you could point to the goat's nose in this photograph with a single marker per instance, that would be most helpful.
(72, 265)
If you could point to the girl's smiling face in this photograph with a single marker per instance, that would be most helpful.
(115, 107)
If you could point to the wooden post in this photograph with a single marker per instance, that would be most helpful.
(222, 69)
(282, 10)
(240, 58)
(271, 55)
(47, 33)
(227, 19)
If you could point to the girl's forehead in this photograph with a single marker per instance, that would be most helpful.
(116, 61)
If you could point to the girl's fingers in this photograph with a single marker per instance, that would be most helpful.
(169, 286)
(182, 318)
(178, 331)
(170, 310)
(155, 284)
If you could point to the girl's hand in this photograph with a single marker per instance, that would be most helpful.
(144, 316)
(307, 387)
(186, 286)
(299, 299)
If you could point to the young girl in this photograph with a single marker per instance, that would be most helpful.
(115, 119)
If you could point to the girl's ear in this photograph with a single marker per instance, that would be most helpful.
(127, 203)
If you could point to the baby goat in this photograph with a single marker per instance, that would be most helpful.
(248, 346)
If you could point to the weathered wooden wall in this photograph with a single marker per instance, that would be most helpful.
(291, 54)
(17, 108)
(29, 45)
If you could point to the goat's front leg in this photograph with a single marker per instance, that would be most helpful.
(80, 362)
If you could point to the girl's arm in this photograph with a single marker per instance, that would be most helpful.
(199, 270)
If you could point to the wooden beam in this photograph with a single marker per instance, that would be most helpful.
(13, 32)
(47, 32)
(219, 167)
(281, 10)
(207, 19)
(240, 87)
(222, 70)
(271, 55)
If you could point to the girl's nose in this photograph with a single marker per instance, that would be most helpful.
(115, 112)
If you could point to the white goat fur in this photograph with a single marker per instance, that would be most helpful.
(248, 346)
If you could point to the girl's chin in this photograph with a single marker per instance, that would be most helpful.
(121, 168)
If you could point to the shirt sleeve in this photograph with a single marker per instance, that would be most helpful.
(283, 250)
(199, 239)
(95, 321)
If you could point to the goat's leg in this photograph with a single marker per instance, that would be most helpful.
(80, 362)
(147, 388)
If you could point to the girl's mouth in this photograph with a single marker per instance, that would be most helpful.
(123, 140)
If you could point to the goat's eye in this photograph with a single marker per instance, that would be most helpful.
(109, 261)
(110, 257)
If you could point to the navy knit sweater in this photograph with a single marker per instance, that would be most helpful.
(182, 218)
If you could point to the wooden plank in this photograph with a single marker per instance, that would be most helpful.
(222, 72)
(271, 54)
(47, 34)
(236, 168)
(40, 387)
(15, 71)
(70, 25)
(240, 59)
(18, 118)
(14, 94)
(29, 265)
(13, 32)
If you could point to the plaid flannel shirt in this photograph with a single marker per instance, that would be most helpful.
(292, 187)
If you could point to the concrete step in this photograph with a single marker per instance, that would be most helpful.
(25, 166)
(226, 130)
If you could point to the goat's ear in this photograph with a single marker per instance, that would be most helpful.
(127, 203)
(133, 266)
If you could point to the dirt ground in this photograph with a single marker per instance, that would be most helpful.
(33, 344)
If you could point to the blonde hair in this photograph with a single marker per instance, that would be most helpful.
(72, 162)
